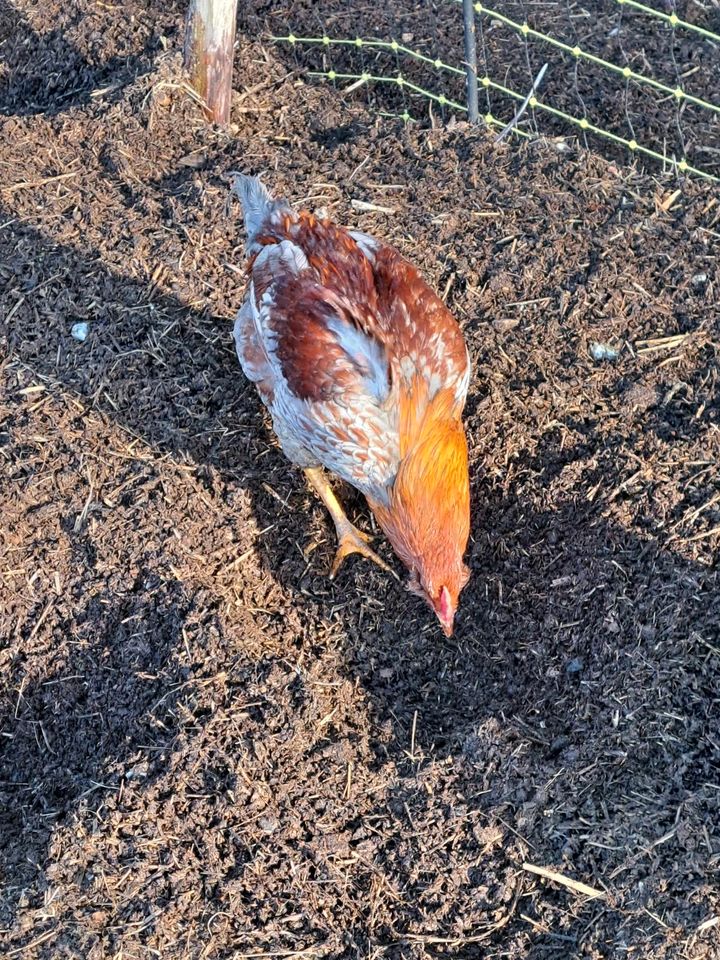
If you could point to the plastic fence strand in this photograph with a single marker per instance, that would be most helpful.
(360, 42)
(671, 18)
(576, 51)
(682, 166)
(357, 79)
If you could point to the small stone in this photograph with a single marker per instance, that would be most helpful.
(139, 771)
(195, 160)
(80, 330)
(603, 351)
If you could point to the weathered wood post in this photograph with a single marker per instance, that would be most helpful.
(209, 42)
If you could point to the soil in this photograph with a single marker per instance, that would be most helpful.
(208, 750)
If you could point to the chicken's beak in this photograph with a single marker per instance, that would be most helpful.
(445, 611)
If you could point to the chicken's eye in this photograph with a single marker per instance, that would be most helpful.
(414, 586)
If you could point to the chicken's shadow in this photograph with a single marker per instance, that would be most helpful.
(86, 726)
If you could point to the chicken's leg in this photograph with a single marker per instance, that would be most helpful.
(350, 539)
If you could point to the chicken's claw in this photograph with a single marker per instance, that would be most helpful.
(352, 540)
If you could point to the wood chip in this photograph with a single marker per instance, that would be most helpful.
(575, 885)
(370, 207)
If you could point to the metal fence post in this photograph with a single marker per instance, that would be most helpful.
(470, 60)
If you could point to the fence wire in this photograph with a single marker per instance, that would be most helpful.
(433, 92)
(577, 52)
(672, 18)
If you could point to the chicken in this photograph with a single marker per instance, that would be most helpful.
(365, 373)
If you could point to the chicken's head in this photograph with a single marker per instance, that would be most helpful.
(443, 599)
(427, 517)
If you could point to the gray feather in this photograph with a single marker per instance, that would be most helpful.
(257, 203)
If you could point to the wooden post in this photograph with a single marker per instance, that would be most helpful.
(209, 43)
(470, 60)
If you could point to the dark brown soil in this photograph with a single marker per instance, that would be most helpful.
(206, 749)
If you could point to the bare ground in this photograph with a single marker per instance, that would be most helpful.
(206, 749)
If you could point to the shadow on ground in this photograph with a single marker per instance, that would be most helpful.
(47, 73)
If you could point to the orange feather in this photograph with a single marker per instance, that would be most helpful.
(428, 517)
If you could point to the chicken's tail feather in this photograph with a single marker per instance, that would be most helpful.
(257, 203)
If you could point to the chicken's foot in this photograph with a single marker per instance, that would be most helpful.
(350, 539)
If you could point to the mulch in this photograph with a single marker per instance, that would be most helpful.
(207, 749)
